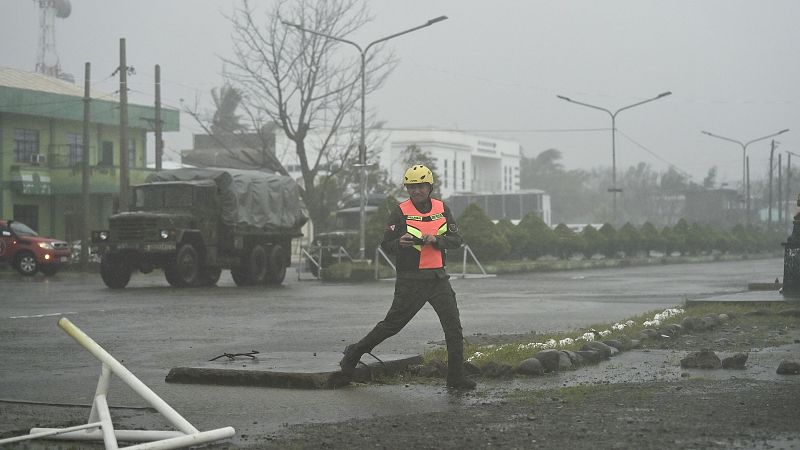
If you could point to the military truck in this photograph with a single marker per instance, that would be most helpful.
(194, 223)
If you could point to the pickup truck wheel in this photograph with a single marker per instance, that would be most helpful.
(115, 271)
(26, 264)
(257, 265)
(49, 271)
(276, 270)
(210, 275)
(187, 265)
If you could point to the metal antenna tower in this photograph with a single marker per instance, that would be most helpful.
(47, 61)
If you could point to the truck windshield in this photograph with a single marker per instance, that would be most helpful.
(163, 197)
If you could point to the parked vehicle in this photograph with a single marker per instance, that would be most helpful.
(28, 253)
(341, 242)
(194, 223)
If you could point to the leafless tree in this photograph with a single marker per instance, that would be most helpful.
(308, 85)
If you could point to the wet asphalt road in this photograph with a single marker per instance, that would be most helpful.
(151, 328)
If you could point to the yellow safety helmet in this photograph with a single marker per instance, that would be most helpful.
(418, 174)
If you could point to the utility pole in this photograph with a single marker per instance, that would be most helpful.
(769, 207)
(159, 142)
(780, 192)
(85, 199)
(788, 188)
(747, 186)
(123, 128)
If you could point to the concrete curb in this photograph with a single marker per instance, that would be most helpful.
(297, 378)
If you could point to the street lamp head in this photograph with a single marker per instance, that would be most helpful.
(664, 94)
(290, 24)
(436, 20)
(783, 131)
(564, 98)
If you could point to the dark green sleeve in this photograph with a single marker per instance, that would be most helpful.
(451, 238)
(395, 227)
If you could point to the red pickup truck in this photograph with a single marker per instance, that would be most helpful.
(28, 252)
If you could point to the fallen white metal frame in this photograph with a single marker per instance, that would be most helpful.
(100, 425)
(379, 253)
(464, 274)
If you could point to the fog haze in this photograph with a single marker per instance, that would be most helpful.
(495, 68)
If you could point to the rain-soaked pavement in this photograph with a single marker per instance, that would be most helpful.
(152, 328)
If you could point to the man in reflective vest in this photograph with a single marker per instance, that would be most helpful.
(418, 233)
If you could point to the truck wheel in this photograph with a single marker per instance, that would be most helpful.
(240, 277)
(210, 275)
(171, 274)
(26, 264)
(187, 265)
(257, 265)
(115, 271)
(277, 265)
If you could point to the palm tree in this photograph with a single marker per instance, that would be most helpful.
(226, 100)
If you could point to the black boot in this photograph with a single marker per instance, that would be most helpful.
(455, 365)
(352, 355)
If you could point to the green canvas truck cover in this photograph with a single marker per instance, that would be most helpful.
(264, 200)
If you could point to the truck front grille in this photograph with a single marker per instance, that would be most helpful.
(133, 229)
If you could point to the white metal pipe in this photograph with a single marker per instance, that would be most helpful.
(464, 266)
(467, 247)
(189, 440)
(121, 435)
(109, 440)
(37, 433)
(127, 377)
(102, 389)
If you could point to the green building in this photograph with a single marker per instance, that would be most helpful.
(41, 151)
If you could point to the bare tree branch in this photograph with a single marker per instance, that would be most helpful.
(307, 84)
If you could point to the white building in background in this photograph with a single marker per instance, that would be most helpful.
(471, 168)
(466, 163)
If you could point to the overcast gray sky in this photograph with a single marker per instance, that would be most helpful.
(732, 66)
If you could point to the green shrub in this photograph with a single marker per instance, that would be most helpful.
(478, 231)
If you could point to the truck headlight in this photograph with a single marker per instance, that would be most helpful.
(45, 245)
(164, 234)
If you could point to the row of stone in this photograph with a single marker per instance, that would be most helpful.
(707, 359)
(592, 352)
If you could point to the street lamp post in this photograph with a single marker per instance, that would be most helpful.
(362, 146)
(745, 181)
(614, 189)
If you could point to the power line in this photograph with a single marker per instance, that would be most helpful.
(654, 154)
(512, 130)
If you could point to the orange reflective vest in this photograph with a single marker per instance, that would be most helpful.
(417, 224)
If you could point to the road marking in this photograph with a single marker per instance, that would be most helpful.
(38, 316)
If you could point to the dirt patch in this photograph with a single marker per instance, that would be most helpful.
(654, 415)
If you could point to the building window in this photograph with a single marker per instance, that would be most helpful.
(27, 214)
(131, 152)
(75, 146)
(106, 156)
(445, 174)
(26, 144)
(463, 175)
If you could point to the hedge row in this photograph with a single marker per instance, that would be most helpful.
(532, 239)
